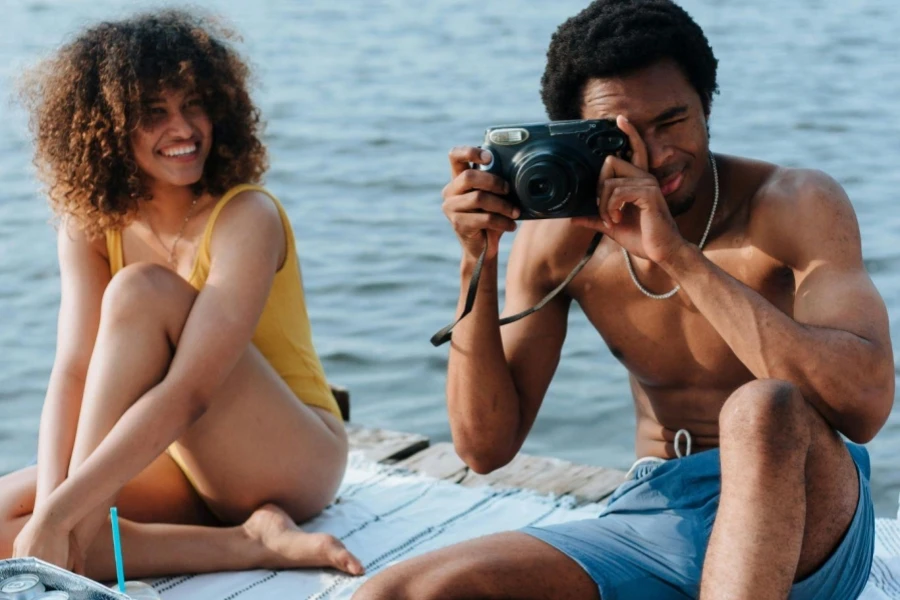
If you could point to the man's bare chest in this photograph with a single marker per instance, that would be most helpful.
(669, 343)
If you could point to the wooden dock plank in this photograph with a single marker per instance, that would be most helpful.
(383, 445)
(552, 476)
(538, 473)
(439, 461)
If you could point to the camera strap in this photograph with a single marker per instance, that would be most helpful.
(445, 334)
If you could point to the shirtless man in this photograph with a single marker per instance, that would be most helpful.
(774, 343)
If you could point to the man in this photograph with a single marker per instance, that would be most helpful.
(773, 343)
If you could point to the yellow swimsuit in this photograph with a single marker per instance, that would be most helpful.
(283, 334)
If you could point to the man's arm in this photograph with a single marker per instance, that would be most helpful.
(837, 346)
(497, 377)
(496, 380)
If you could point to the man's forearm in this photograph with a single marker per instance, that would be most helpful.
(482, 399)
(837, 371)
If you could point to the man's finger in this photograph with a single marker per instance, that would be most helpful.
(462, 158)
(485, 202)
(641, 196)
(611, 212)
(466, 223)
(595, 223)
(472, 179)
(622, 168)
(639, 154)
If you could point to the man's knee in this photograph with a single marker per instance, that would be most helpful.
(140, 288)
(386, 586)
(419, 580)
(768, 413)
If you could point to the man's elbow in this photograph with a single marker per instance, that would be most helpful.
(482, 459)
(876, 408)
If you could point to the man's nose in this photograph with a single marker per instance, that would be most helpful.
(658, 152)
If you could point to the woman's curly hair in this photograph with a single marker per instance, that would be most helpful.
(88, 98)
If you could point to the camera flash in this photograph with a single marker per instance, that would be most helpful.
(508, 137)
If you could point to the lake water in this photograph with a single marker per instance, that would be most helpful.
(363, 98)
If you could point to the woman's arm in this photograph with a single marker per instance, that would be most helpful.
(84, 274)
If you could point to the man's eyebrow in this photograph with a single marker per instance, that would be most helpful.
(676, 111)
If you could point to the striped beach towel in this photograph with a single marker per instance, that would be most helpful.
(386, 515)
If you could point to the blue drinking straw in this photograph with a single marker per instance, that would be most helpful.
(117, 547)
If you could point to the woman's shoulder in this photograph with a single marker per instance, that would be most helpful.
(72, 237)
(249, 204)
(247, 213)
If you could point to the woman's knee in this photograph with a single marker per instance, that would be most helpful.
(144, 287)
(17, 493)
(770, 411)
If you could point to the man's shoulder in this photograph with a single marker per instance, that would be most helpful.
(794, 208)
(795, 189)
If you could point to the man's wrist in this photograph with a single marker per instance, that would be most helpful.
(680, 260)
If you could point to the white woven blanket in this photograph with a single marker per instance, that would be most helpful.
(385, 515)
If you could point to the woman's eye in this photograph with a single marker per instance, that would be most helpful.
(157, 111)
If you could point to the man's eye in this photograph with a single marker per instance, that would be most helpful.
(194, 103)
(672, 123)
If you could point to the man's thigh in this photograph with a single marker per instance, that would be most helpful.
(505, 565)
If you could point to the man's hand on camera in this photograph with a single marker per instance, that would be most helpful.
(473, 203)
(632, 209)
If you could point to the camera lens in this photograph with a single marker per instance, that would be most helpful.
(544, 184)
(539, 187)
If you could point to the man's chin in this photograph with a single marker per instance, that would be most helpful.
(679, 206)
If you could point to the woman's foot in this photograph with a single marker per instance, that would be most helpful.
(283, 545)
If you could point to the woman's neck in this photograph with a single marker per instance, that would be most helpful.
(169, 206)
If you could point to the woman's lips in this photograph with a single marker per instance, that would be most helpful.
(670, 184)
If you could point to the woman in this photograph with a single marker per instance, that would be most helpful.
(185, 388)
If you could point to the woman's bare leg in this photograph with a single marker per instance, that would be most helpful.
(256, 443)
(259, 456)
(165, 545)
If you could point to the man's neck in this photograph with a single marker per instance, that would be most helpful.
(693, 223)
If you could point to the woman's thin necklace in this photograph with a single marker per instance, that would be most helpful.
(712, 213)
(184, 223)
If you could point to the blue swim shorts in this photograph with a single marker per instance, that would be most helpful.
(651, 539)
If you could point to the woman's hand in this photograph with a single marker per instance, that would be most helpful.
(41, 539)
(632, 209)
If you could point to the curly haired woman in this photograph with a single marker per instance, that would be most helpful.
(185, 388)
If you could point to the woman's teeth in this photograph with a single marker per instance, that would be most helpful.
(180, 151)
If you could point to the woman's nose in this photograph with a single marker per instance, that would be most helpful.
(180, 125)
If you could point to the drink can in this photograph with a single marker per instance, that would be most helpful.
(21, 587)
